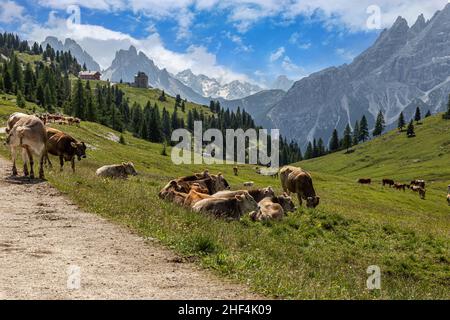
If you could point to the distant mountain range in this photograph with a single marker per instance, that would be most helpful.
(406, 68)
(282, 83)
(75, 49)
(209, 87)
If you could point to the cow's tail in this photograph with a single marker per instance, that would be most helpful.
(20, 130)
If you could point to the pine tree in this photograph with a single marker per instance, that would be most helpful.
(91, 113)
(334, 142)
(20, 101)
(355, 139)
(320, 148)
(446, 115)
(410, 131)
(78, 101)
(401, 122)
(347, 140)
(363, 129)
(417, 116)
(428, 114)
(379, 125)
(7, 81)
(309, 151)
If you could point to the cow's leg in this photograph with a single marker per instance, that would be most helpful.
(73, 164)
(299, 197)
(14, 155)
(25, 162)
(41, 166)
(30, 156)
(61, 163)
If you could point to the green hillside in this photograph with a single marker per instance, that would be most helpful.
(322, 253)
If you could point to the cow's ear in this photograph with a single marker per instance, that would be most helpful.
(239, 197)
(73, 144)
(269, 188)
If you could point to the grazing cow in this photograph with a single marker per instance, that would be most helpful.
(418, 183)
(388, 182)
(257, 194)
(419, 190)
(232, 208)
(249, 184)
(117, 170)
(298, 181)
(196, 194)
(401, 186)
(364, 181)
(28, 135)
(65, 147)
(235, 170)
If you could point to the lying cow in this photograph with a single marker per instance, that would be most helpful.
(27, 134)
(273, 208)
(213, 183)
(364, 181)
(257, 194)
(65, 147)
(232, 208)
(117, 170)
(388, 182)
(196, 194)
(298, 181)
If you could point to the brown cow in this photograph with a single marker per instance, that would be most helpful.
(232, 208)
(273, 208)
(27, 133)
(365, 181)
(235, 170)
(400, 186)
(298, 181)
(65, 147)
(257, 194)
(196, 194)
(388, 182)
(213, 183)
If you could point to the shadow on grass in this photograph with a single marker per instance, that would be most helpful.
(23, 180)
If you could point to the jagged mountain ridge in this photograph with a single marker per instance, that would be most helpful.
(405, 68)
(210, 87)
(75, 49)
(282, 83)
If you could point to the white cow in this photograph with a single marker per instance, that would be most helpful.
(27, 134)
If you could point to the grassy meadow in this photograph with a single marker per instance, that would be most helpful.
(311, 254)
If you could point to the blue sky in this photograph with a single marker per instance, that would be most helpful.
(253, 40)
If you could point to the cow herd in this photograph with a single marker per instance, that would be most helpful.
(415, 185)
(209, 193)
(58, 119)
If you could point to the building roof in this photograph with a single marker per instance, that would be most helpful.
(88, 73)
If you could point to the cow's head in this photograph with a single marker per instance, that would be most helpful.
(246, 202)
(312, 202)
(287, 203)
(129, 168)
(80, 149)
(268, 192)
(220, 183)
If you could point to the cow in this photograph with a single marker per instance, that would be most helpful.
(27, 133)
(388, 182)
(65, 147)
(196, 194)
(231, 208)
(365, 181)
(273, 208)
(117, 170)
(419, 183)
(298, 181)
(257, 194)
(235, 171)
(401, 186)
(171, 186)
(419, 190)
(214, 183)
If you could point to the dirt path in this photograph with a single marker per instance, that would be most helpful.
(43, 236)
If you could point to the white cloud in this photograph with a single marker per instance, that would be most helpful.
(237, 40)
(295, 39)
(103, 43)
(291, 67)
(10, 11)
(274, 56)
